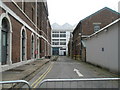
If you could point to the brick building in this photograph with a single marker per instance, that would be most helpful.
(25, 32)
(70, 44)
(88, 26)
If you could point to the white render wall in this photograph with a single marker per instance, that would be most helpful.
(67, 40)
(107, 40)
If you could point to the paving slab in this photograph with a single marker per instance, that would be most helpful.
(23, 72)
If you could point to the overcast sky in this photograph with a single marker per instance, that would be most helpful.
(72, 11)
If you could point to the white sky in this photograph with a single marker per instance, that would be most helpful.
(72, 11)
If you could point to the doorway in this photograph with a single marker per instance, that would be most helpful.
(64, 53)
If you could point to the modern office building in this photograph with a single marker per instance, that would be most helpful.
(60, 37)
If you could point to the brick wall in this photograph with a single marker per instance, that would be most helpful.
(104, 17)
(86, 27)
(43, 25)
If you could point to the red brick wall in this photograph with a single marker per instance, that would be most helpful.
(20, 14)
(86, 27)
(28, 44)
(15, 40)
(16, 28)
(104, 17)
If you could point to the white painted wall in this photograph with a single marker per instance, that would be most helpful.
(67, 39)
(107, 40)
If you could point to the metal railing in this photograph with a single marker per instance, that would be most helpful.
(16, 81)
(112, 83)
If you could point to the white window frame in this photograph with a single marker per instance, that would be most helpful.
(38, 47)
(23, 28)
(9, 48)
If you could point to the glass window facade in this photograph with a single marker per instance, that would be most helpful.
(62, 32)
(55, 35)
(62, 39)
(62, 43)
(55, 39)
(55, 51)
(55, 43)
(62, 35)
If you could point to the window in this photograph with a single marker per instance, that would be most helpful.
(62, 43)
(62, 35)
(55, 43)
(37, 21)
(23, 44)
(32, 47)
(62, 39)
(6, 40)
(55, 32)
(55, 35)
(62, 32)
(32, 13)
(55, 39)
(62, 48)
(96, 26)
(5, 30)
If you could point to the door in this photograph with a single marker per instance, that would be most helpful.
(4, 46)
(55, 51)
(65, 53)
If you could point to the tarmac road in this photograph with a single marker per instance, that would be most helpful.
(66, 68)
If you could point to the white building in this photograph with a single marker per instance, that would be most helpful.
(60, 37)
(102, 47)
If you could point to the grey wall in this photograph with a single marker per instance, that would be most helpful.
(107, 40)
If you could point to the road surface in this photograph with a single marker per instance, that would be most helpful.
(66, 68)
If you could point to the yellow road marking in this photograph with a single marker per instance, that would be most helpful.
(40, 76)
(43, 76)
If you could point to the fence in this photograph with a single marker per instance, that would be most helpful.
(16, 82)
(80, 83)
(72, 83)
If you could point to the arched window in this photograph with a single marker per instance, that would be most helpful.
(23, 44)
(5, 29)
(38, 48)
(6, 39)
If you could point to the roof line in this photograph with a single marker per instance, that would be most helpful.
(100, 11)
(96, 13)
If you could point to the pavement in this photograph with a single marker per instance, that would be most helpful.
(62, 68)
(24, 72)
